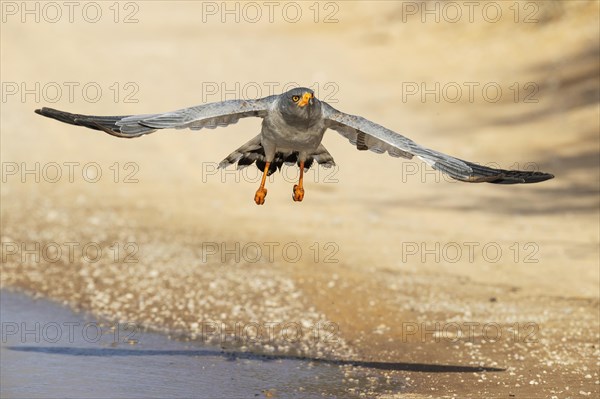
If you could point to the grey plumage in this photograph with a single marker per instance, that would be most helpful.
(292, 129)
(207, 116)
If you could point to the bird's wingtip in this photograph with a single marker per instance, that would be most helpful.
(537, 177)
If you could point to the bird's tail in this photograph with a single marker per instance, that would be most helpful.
(253, 153)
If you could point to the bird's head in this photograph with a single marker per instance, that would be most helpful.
(300, 105)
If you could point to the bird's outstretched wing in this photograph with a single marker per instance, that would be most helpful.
(202, 116)
(367, 135)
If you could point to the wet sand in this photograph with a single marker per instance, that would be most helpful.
(414, 285)
(48, 351)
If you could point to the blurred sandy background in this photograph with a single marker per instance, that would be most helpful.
(366, 217)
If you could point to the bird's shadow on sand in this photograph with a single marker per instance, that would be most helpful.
(232, 356)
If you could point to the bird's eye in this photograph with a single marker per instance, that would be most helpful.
(296, 98)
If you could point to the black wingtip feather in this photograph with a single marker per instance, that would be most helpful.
(103, 123)
(501, 176)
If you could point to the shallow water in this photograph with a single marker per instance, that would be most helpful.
(49, 351)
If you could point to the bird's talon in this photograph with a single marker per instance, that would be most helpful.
(298, 193)
(260, 195)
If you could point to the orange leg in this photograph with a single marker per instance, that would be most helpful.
(261, 193)
(298, 188)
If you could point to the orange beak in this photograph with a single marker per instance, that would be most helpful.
(305, 98)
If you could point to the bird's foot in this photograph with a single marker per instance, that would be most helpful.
(298, 193)
(260, 195)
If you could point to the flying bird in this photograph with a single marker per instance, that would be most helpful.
(293, 125)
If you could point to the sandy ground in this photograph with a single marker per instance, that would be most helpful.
(385, 264)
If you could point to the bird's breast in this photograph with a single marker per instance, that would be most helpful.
(294, 138)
